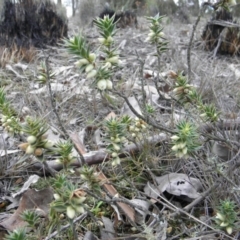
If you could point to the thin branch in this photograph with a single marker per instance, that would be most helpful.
(149, 121)
(53, 104)
(190, 45)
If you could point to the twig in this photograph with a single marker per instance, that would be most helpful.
(149, 121)
(80, 218)
(199, 199)
(177, 211)
(142, 63)
(53, 104)
(190, 45)
(126, 201)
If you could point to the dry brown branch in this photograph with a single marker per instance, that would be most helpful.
(97, 157)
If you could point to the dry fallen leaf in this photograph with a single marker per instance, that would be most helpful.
(177, 184)
(31, 199)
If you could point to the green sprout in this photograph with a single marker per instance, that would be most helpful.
(117, 132)
(78, 47)
(100, 70)
(17, 234)
(107, 29)
(115, 136)
(209, 113)
(187, 93)
(31, 217)
(156, 35)
(89, 176)
(150, 109)
(184, 91)
(102, 79)
(43, 74)
(68, 199)
(226, 216)
(8, 116)
(64, 150)
(186, 139)
(37, 140)
(137, 127)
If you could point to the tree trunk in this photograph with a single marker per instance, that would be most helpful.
(73, 8)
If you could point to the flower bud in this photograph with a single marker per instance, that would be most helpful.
(116, 161)
(109, 39)
(107, 65)
(131, 128)
(56, 196)
(175, 148)
(223, 224)
(41, 78)
(229, 230)
(48, 144)
(117, 140)
(89, 68)
(23, 146)
(114, 154)
(220, 216)
(81, 62)
(31, 139)
(30, 149)
(116, 147)
(58, 160)
(175, 137)
(79, 200)
(181, 145)
(102, 84)
(80, 209)
(109, 84)
(92, 74)
(151, 34)
(38, 152)
(4, 118)
(203, 115)
(70, 212)
(112, 59)
(92, 56)
(102, 40)
(184, 151)
(83, 177)
(136, 129)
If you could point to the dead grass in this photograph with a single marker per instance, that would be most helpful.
(17, 54)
